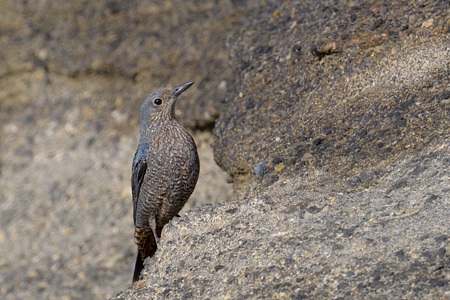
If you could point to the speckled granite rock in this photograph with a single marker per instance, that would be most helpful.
(334, 88)
(301, 241)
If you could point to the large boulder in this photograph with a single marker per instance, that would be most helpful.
(336, 137)
(334, 88)
(297, 240)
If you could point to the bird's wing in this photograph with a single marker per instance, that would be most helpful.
(138, 172)
(193, 170)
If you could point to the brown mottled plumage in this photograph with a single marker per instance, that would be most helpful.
(164, 172)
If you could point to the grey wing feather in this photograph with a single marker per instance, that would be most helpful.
(138, 172)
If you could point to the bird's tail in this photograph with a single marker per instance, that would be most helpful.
(146, 243)
(138, 267)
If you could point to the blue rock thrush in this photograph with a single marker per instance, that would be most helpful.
(164, 172)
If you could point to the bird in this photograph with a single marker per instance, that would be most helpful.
(165, 170)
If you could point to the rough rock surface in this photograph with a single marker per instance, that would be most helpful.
(325, 112)
(297, 240)
(335, 88)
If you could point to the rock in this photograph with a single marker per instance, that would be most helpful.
(300, 240)
(350, 107)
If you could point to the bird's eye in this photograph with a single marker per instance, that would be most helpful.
(157, 101)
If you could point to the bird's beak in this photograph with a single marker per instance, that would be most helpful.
(183, 87)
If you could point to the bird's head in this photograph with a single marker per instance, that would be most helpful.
(159, 106)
